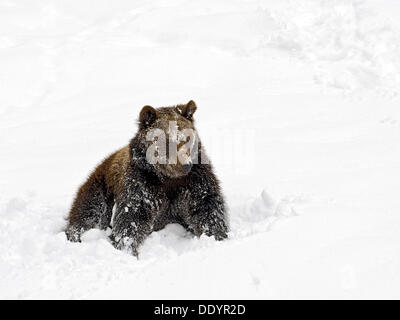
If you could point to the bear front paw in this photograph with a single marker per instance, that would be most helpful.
(211, 227)
(73, 233)
(219, 232)
(126, 244)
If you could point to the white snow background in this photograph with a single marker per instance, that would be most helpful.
(310, 88)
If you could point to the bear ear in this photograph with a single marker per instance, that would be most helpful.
(187, 110)
(147, 116)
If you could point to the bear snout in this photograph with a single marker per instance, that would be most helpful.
(186, 167)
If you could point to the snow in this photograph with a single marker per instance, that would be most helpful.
(298, 108)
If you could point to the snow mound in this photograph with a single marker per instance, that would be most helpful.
(259, 214)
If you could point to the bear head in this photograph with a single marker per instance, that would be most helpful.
(170, 139)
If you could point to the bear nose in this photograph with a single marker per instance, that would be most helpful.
(186, 167)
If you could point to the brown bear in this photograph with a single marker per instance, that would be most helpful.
(134, 196)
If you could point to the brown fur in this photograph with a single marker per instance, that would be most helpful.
(111, 171)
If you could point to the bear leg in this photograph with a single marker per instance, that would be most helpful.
(204, 212)
(92, 208)
(131, 226)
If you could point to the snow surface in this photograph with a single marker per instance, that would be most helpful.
(298, 106)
